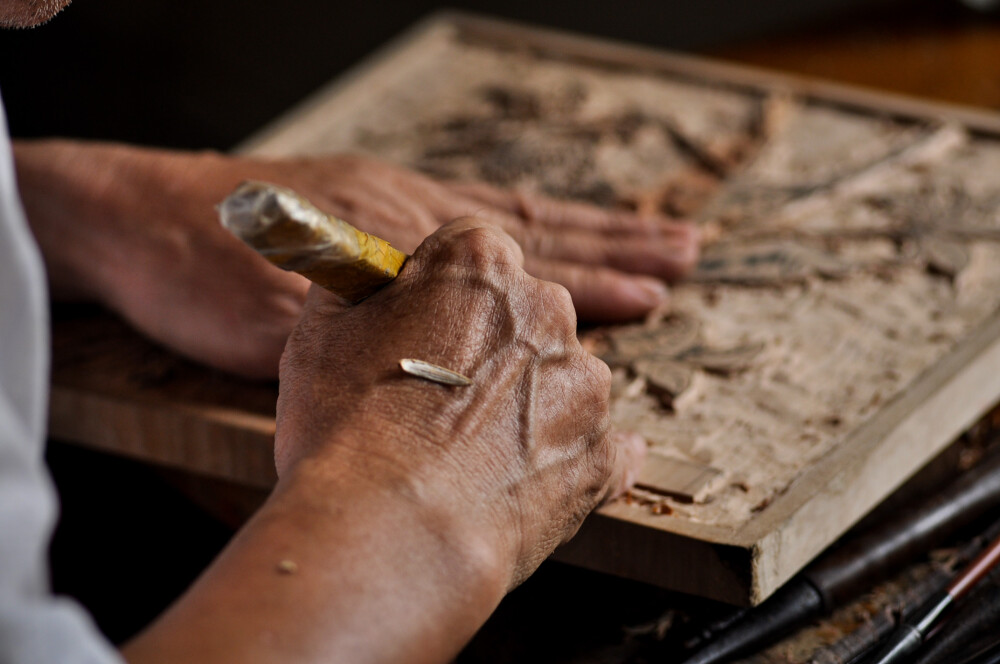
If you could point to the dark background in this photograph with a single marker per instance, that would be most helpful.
(208, 73)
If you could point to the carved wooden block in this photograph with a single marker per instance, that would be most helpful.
(841, 328)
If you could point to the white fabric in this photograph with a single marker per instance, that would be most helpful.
(35, 626)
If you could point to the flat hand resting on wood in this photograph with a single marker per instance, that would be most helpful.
(136, 230)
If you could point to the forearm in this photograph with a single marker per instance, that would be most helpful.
(368, 578)
(135, 229)
(84, 204)
(59, 186)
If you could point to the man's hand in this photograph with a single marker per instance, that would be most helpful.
(514, 461)
(613, 263)
(136, 230)
(405, 509)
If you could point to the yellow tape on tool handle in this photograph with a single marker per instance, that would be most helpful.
(293, 234)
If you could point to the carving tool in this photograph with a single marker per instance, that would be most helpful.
(856, 646)
(293, 234)
(979, 614)
(910, 635)
(859, 564)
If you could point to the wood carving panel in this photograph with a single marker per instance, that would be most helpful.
(841, 328)
(847, 251)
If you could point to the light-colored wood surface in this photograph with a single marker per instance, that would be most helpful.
(842, 329)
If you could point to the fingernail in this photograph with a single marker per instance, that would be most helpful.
(654, 293)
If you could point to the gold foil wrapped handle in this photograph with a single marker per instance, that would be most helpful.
(292, 233)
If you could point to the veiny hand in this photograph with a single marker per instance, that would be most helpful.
(405, 509)
(136, 229)
(509, 465)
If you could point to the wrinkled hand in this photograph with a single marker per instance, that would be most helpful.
(513, 462)
(136, 229)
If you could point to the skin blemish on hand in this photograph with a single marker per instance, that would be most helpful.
(287, 567)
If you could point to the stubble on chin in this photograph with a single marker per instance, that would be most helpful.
(29, 13)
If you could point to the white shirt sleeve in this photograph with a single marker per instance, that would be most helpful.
(35, 626)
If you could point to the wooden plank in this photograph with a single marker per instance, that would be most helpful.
(840, 331)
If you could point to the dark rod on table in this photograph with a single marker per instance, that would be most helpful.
(910, 635)
(978, 615)
(859, 564)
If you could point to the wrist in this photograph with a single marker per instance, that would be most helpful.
(333, 567)
(52, 182)
(81, 203)
(455, 537)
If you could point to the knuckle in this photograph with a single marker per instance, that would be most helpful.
(481, 247)
(482, 243)
(600, 377)
(559, 299)
(489, 245)
(556, 303)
